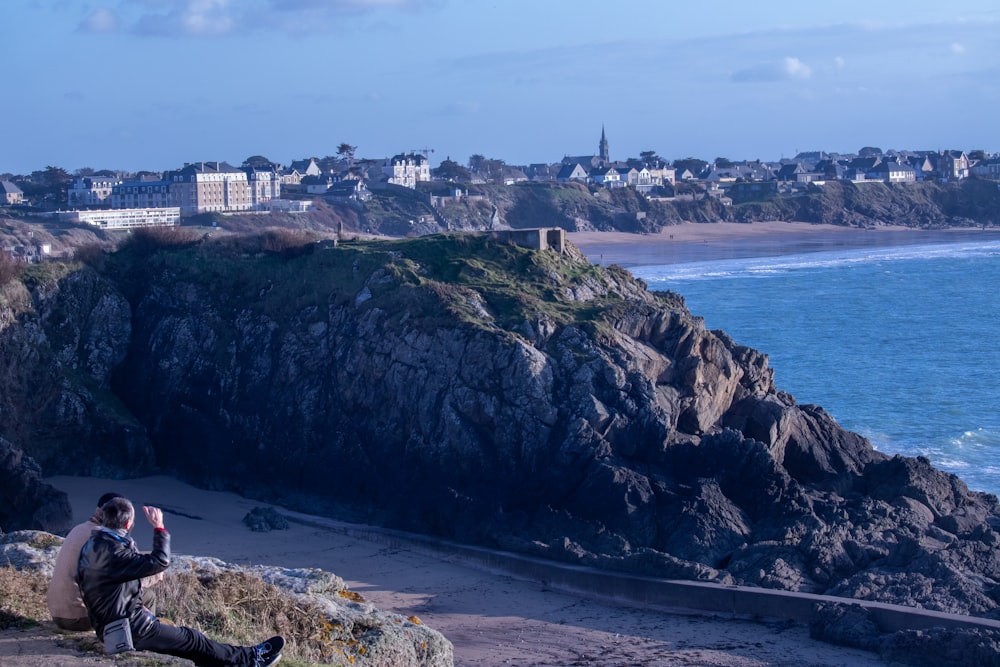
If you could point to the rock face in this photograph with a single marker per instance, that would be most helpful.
(62, 333)
(527, 400)
(26, 502)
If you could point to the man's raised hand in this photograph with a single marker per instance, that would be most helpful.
(154, 515)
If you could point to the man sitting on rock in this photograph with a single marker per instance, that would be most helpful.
(63, 598)
(109, 574)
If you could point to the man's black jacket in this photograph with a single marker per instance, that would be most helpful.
(109, 571)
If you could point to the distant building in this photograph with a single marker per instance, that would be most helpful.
(572, 172)
(305, 167)
(407, 170)
(953, 165)
(129, 218)
(603, 150)
(349, 190)
(893, 172)
(590, 162)
(92, 190)
(290, 205)
(316, 185)
(10, 194)
(542, 238)
(265, 186)
(206, 187)
(142, 194)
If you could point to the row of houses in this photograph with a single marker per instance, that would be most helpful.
(206, 187)
(943, 166)
(951, 165)
(259, 184)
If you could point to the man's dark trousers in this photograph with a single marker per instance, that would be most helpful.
(192, 645)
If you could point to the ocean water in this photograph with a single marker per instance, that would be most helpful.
(899, 344)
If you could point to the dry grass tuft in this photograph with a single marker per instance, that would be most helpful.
(240, 608)
(233, 607)
(10, 268)
(22, 604)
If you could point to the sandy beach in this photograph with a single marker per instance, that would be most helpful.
(491, 617)
(702, 242)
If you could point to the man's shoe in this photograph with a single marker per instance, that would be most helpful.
(269, 652)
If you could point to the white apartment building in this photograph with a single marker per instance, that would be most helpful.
(407, 170)
(92, 190)
(265, 186)
(128, 218)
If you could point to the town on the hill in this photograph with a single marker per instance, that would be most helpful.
(115, 200)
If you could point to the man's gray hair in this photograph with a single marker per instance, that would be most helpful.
(117, 513)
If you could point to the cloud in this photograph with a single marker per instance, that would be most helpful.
(192, 18)
(796, 69)
(102, 21)
(220, 18)
(839, 62)
(785, 70)
(958, 49)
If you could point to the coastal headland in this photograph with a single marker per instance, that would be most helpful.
(834, 461)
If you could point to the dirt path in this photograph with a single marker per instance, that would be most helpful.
(46, 646)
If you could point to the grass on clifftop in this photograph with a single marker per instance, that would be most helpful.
(232, 607)
(436, 279)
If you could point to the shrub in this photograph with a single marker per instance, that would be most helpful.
(287, 243)
(10, 268)
(147, 240)
(91, 254)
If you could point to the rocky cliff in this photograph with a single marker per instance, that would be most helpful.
(575, 207)
(473, 389)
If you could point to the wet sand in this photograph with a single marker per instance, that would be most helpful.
(703, 242)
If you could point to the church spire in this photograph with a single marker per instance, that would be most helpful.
(604, 153)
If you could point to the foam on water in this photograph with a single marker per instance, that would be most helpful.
(765, 266)
(897, 343)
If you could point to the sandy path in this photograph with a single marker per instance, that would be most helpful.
(491, 617)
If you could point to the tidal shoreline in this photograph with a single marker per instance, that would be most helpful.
(704, 242)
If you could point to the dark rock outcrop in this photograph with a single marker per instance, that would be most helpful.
(62, 333)
(26, 502)
(853, 626)
(492, 394)
(265, 519)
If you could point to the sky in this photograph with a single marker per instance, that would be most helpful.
(153, 84)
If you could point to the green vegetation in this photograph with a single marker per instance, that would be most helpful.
(435, 280)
